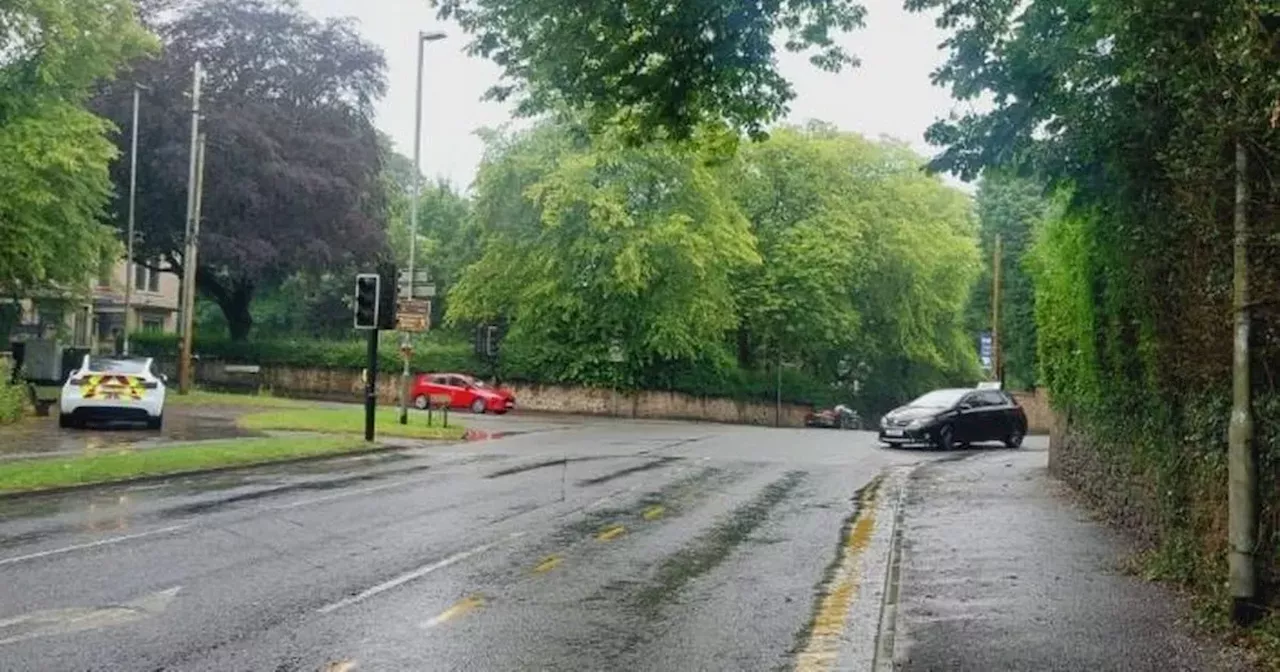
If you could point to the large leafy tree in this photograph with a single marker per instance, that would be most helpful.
(796, 192)
(867, 264)
(659, 68)
(292, 176)
(589, 243)
(54, 153)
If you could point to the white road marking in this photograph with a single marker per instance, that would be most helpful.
(79, 619)
(93, 544)
(414, 574)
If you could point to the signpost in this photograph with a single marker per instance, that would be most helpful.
(985, 349)
(413, 316)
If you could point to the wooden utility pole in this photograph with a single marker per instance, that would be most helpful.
(189, 288)
(1242, 510)
(188, 252)
(997, 359)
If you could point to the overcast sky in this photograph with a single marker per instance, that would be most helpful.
(890, 94)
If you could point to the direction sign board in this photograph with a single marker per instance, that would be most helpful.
(413, 315)
(984, 349)
(421, 276)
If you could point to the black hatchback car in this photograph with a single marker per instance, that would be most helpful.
(956, 417)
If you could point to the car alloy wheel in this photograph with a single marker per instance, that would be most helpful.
(1014, 440)
(946, 438)
(477, 406)
(420, 402)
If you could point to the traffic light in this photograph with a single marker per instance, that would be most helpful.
(387, 296)
(367, 296)
(491, 341)
(488, 336)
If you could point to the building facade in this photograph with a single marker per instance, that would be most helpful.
(99, 324)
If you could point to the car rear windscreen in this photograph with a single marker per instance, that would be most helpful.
(111, 365)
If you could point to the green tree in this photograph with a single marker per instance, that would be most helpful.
(657, 68)
(589, 242)
(867, 265)
(54, 153)
(797, 193)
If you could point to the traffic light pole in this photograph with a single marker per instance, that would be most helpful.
(371, 386)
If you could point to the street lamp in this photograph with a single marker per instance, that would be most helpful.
(423, 38)
(133, 199)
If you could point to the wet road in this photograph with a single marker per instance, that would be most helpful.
(563, 545)
(41, 437)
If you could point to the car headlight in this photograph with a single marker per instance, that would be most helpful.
(919, 423)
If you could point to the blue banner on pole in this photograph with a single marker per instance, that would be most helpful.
(984, 349)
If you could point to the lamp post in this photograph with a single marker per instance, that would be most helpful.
(423, 38)
(133, 199)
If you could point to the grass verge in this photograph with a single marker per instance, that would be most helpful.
(206, 398)
(61, 472)
(350, 421)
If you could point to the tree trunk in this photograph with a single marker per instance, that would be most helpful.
(744, 348)
(235, 307)
(1241, 468)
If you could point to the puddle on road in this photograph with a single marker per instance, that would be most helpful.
(37, 436)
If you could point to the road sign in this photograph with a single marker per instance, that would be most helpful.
(984, 349)
(413, 315)
(421, 276)
(423, 286)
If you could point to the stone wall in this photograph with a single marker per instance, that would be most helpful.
(653, 404)
(345, 385)
(1108, 477)
(1040, 417)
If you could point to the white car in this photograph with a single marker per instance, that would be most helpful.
(113, 389)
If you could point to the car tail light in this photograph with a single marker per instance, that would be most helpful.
(76, 381)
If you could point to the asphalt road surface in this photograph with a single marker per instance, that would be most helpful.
(557, 545)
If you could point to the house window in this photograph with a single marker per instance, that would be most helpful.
(146, 279)
(152, 325)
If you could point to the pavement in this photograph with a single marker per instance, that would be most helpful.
(1001, 570)
(553, 544)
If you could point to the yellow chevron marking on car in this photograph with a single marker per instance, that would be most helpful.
(92, 387)
(89, 390)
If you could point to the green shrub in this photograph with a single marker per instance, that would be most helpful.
(13, 398)
(432, 352)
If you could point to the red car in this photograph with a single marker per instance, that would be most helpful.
(463, 391)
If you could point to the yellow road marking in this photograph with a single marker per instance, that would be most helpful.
(347, 665)
(653, 513)
(611, 532)
(461, 607)
(549, 563)
(823, 647)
